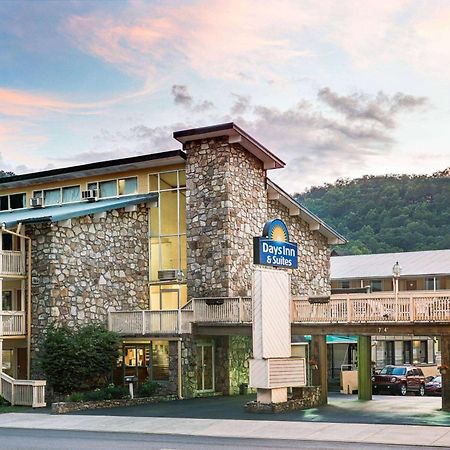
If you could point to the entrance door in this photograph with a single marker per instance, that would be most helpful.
(205, 368)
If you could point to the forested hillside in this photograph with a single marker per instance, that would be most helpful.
(379, 214)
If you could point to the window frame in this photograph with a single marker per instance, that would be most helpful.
(8, 196)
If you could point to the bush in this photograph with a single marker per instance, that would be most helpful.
(111, 392)
(78, 360)
(147, 389)
(76, 397)
(3, 402)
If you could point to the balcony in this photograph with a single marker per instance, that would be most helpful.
(144, 322)
(12, 263)
(12, 323)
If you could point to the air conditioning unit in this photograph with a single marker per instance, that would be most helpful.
(90, 195)
(36, 202)
(167, 275)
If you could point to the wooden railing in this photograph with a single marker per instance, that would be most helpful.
(222, 309)
(23, 392)
(13, 323)
(12, 263)
(144, 322)
(380, 307)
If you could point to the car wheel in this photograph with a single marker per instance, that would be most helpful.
(403, 390)
(421, 390)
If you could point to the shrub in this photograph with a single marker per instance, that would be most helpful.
(147, 389)
(111, 392)
(3, 402)
(77, 360)
(77, 397)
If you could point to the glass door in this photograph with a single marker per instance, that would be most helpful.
(205, 368)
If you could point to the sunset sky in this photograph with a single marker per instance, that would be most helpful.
(335, 88)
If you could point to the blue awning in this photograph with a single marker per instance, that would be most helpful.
(67, 211)
(338, 339)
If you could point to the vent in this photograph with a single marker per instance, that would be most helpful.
(36, 202)
(90, 195)
(167, 275)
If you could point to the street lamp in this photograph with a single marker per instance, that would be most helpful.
(396, 271)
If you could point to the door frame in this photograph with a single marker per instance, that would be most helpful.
(201, 347)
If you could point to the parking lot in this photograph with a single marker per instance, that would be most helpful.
(383, 409)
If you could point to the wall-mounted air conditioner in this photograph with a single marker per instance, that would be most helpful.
(167, 275)
(90, 195)
(36, 202)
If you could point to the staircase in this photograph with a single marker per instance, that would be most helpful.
(23, 392)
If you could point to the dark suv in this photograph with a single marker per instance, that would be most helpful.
(399, 380)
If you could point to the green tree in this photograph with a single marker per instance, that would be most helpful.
(80, 359)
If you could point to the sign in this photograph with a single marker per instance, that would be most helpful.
(274, 248)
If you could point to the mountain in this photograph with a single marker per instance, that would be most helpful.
(390, 213)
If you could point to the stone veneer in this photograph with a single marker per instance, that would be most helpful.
(82, 271)
(227, 206)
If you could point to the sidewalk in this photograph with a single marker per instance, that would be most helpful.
(314, 431)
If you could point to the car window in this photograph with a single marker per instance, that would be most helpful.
(393, 371)
(437, 380)
(410, 373)
(419, 372)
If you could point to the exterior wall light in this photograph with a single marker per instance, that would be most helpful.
(396, 270)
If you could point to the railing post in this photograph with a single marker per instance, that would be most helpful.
(240, 310)
(411, 308)
(349, 309)
(179, 320)
(143, 322)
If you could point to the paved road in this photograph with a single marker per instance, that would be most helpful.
(384, 409)
(14, 439)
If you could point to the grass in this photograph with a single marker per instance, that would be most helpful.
(8, 409)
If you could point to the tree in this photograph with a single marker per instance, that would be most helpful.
(80, 359)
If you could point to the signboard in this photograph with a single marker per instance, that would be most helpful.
(273, 248)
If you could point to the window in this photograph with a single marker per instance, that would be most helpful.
(376, 285)
(345, 284)
(13, 201)
(71, 194)
(57, 196)
(113, 188)
(52, 197)
(128, 186)
(107, 189)
(432, 284)
(7, 301)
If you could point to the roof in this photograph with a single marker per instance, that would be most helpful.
(296, 209)
(96, 168)
(429, 262)
(70, 210)
(235, 135)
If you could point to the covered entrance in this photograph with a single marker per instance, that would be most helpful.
(205, 367)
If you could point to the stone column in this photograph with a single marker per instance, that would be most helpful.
(364, 368)
(319, 376)
(445, 360)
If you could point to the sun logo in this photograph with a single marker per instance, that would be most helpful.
(276, 230)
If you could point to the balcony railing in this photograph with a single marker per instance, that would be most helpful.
(12, 263)
(144, 322)
(13, 323)
(379, 307)
(222, 309)
(23, 392)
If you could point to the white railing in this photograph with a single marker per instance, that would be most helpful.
(23, 392)
(13, 323)
(12, 263)
(144, 322)
(418, 306)
(222, 309)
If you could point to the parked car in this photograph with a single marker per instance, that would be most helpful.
(399, 380)
(434, 386)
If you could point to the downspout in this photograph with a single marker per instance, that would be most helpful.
(180, 375)
(28, 293)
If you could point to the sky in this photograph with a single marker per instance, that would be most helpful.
(337, 89)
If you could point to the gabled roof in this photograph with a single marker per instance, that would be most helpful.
(235, 135)
(296, 209)
(429, 262)
(67, 211)
(96, 168)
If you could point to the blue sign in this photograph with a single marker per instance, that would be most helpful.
(274, 248)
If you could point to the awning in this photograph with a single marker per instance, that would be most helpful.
(67, 211)
(338, 339)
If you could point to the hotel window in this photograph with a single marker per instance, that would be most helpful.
(7, 300)
(432, 284)
(113, 188)
(168, 235)
(13, 201)
(376, 285)
(57, 196)
(345, 284)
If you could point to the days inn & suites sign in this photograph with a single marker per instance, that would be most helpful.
(273, 248)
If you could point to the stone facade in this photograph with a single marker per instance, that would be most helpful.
(226, 207)
(83, 271)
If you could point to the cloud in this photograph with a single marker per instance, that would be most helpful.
(241, 104)
(181, 96)
(381, 108)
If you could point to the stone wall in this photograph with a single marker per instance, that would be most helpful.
(226, 207)
(240, 351)
(313, 274)
(82, 271)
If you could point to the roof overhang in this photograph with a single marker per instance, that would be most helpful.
(95, 169)
(65, 212)
(236, 135)
(274, 192)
